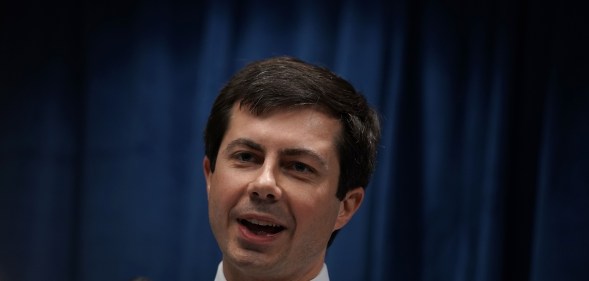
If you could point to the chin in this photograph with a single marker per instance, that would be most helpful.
(253, 261)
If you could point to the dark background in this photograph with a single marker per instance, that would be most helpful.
(483, 168)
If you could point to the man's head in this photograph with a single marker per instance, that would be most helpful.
(286, 83)
(290, 148)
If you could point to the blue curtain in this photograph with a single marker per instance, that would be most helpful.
(483, 171)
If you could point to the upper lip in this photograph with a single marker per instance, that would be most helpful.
(261, 220)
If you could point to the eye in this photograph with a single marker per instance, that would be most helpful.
(244, 157)
(301, 167)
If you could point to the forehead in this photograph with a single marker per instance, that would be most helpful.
(303, 126)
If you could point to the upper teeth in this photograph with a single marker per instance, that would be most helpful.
(262, 223)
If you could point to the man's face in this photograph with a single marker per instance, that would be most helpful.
(272, 203)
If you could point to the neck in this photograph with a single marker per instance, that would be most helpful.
(233, 273)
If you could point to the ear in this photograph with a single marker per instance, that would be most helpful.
(206, 165)
(349, 206)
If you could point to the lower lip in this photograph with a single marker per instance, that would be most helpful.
(257, 239)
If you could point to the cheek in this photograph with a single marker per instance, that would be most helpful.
(226, 185)
(221, 191)
(317, 210)
(222, 198)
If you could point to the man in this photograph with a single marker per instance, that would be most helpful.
(290, 148)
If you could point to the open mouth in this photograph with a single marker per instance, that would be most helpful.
(261, 227)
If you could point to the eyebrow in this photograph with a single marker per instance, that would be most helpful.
(287, 151)
(245, 142)
(305, 152)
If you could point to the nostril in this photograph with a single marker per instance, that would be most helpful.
(263, 195)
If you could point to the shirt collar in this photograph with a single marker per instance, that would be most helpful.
(323, 274)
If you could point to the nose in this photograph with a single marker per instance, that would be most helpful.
(264, 187)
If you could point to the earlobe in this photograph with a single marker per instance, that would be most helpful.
(349, 206)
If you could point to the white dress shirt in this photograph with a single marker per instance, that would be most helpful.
(323, 274)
